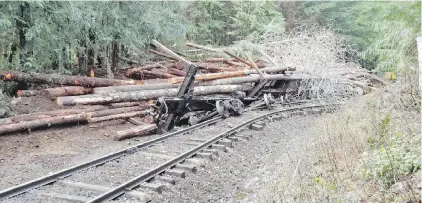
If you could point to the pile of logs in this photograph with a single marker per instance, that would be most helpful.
(88, 99)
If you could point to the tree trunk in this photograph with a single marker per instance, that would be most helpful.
(145, 74)
(176, 72)
(27, 93)
(47, 122)
(135, 131)
(115, 56)
(221, 75)
(62, 79)
(129, 88)
(109, 112)
(23, 24)
(419, 45)
(117, 116)
(65, 91)
(145, 95)
(134, 71)
(126, 104)
(49, 114)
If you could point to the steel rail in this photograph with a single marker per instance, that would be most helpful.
(22, 188)
(129, 185)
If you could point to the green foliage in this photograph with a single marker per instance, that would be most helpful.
(391, 162)
(384, 32)
(58, 31)
(224, 22)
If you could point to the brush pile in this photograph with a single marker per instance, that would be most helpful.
(306, 65)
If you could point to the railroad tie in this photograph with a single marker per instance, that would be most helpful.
(205, 155)
(186, 167)
(256, 127)
(166, 179)
(154, 187)
(214, 152)
(196, 162)
(219, 147)
(176, 173)
(63, 196)
(226, 142)
(143, 197)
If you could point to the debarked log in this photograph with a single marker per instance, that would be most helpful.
(145, 95)
(135, 131)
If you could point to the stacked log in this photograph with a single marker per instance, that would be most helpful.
(62, 79)
(145, 95)
(127, 99)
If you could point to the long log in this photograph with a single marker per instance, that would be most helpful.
(117, 116)
(145, 95)
(117, 111)
(27, 93)
(47, 122)
(132, 88)
(135, 131)
(62, 79)
(151, 74)
(176, 72)
(246, 79)
(65, 91)
(49, 114)
(214, 76)
(133, 71)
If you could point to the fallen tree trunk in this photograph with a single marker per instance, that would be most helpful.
(65, 91)
(49, 114)
(117, 116)
(62, 79)
(133, 71)
(214, 76)
(176, 72)
(246, 79)
(47, 122)
(27, 93)
(145, 95)
(152, 74)
(116, 111)
(124, 104)
(131, 88)
(135, 131)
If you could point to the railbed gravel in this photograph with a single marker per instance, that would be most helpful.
(235, 176)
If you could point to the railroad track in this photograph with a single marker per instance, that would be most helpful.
(168, 156)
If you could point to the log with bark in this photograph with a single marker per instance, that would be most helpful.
(65, 91)
(214, 76)
(145, 95)
(146, 74)
(135, 131)
(27, 93)
(40, 123)
(49, 114)
(132, 88)
(29, 122)
(133, 71)
(62, 79)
